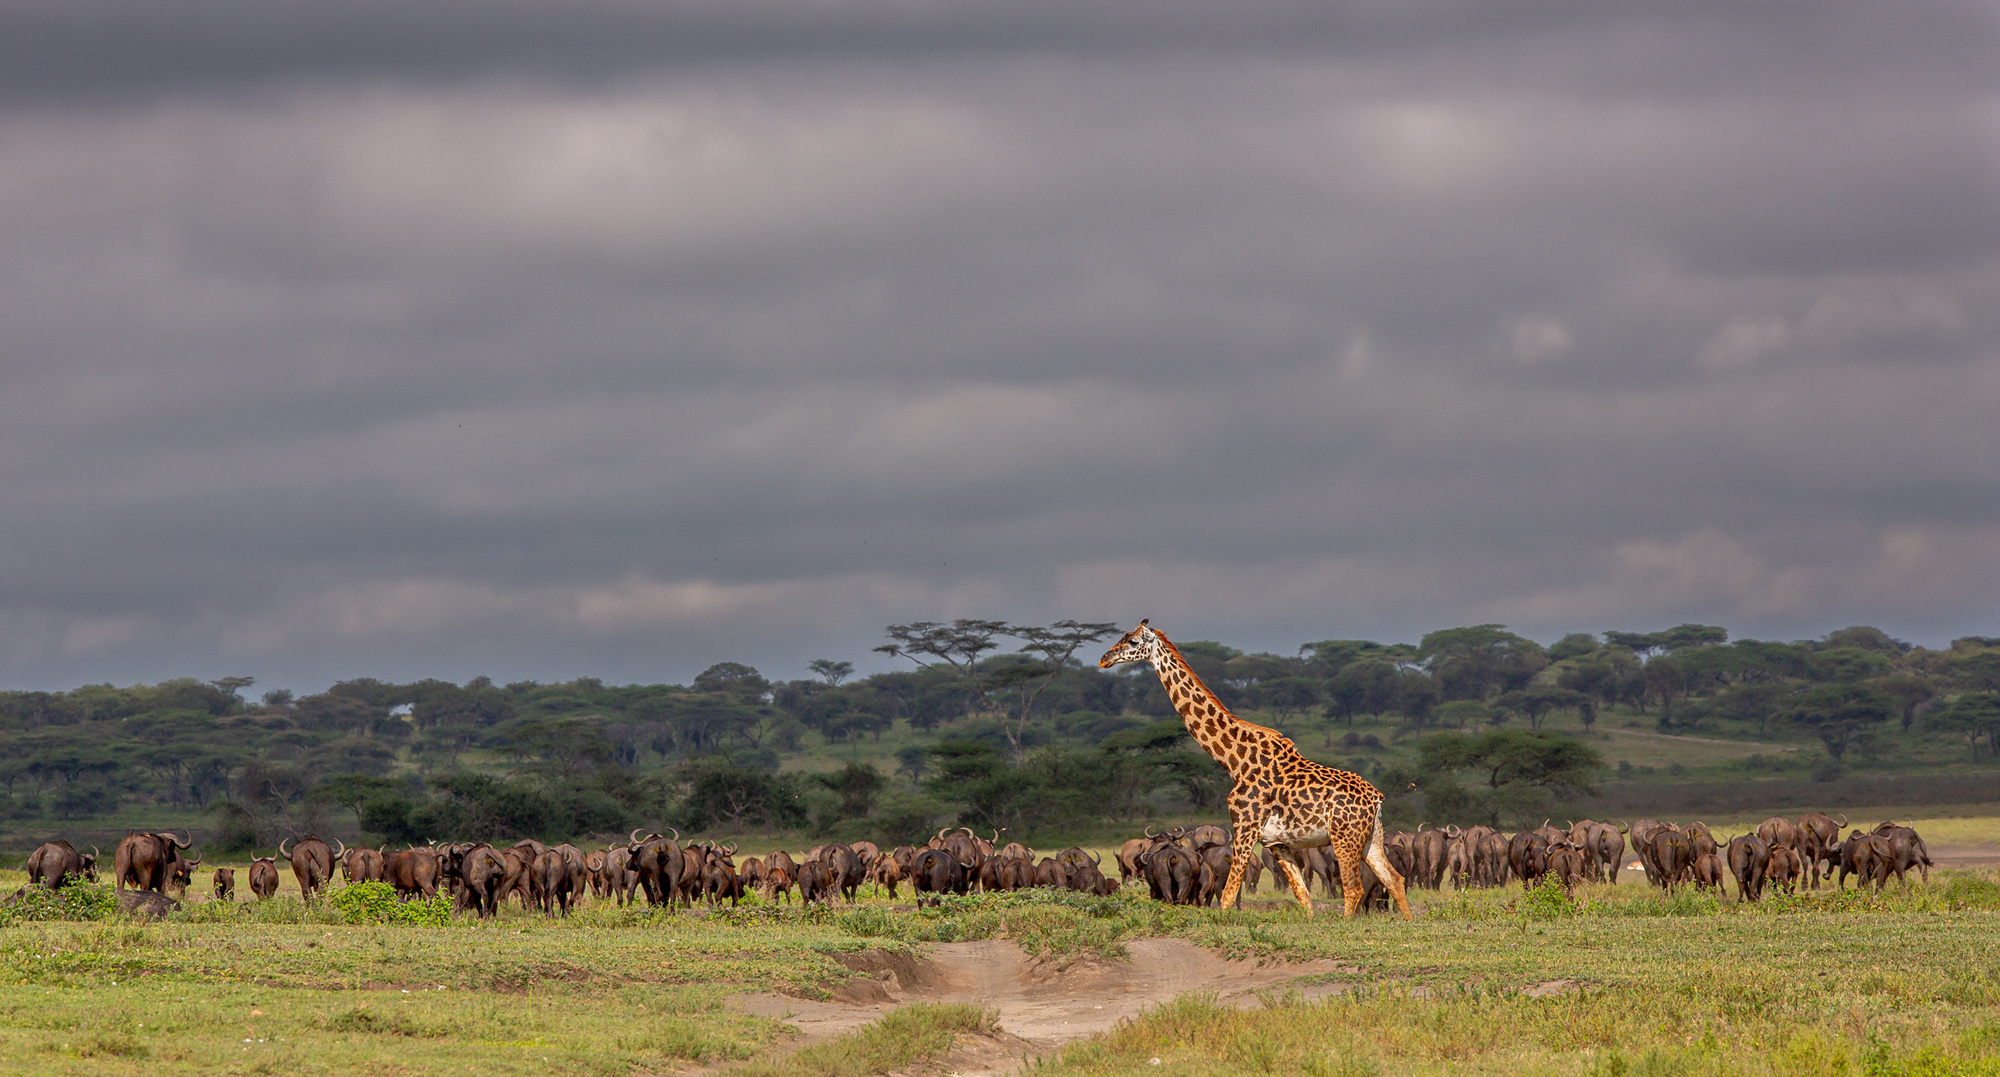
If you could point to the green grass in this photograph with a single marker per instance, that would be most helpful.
(907, 1034)
(1908, 978)
(1908, 982)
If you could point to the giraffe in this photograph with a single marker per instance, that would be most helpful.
(1280, 797)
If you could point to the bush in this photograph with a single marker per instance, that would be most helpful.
(376, 903)
(77, 901)
(1548, 901)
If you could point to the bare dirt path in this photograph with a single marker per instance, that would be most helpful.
(1040, 1007)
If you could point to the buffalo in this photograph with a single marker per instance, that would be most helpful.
(312, 863)
(264, 877)
(413, 872)
(1906, 850)
(56, 864)
(1867, 856)
(1819, 840)
(225, 884)
(1708, 872)
(149, 861)
(1749, 859)
(361, 865)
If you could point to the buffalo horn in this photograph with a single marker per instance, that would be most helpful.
(180, 843)
(1096, 859)
(1843, 820)
(733, 846)
(1149, 832)
(635, 838)
(281, 849)
(677, 833)
(342, 851)
(94, 851)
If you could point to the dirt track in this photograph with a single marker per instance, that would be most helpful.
(1040, 1007)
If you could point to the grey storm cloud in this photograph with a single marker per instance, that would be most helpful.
(618, 339)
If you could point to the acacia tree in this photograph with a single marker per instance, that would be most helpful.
(1841, 716)
(957, 648)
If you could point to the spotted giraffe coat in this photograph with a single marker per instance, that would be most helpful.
(1280, 797)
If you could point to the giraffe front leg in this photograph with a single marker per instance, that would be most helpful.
(1242, 842)
(1298, 885)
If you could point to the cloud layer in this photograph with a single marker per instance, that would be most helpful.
(619, 339)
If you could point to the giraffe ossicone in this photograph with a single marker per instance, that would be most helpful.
(1280, 797)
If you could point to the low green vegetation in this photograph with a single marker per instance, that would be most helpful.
(1614, 979)
(921, 1030)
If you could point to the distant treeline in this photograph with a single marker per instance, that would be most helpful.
(1012, 726)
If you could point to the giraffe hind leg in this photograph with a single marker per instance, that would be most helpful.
(1298, 885)
(1378, 859)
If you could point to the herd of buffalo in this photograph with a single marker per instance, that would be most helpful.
(1180, 866)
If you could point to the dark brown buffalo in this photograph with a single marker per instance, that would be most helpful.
(1401, 847)
(937, 872)
(719, 880)
(1778, 830)
(413, 872)
(619, 878)
(1457, 863)
(56, 864)
(312, 864)
(520, 879)
(483, 875)
(1783, 871)
(777, 880)
(361, 865)
(1086, 879)
(1607, 850)
(1489, 857)
(1128, 857)
(1051, 873)
(1701, 840)
(148, 861)
(1867, 856)
(1172, 873)
(887, 874)
(849, 873)
(656, 861)
(225, 884)
(1708, 873)
(1672, 857)
(1906, 851)
(551, 883)
(1749, 860)
(1427, 848)
(264, 877)
(1568, 864)
(966, 848)
(1819, 838)
(1641, 834)
(818, 883)
(1527, 857)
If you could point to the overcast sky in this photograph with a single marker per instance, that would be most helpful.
(617, 338)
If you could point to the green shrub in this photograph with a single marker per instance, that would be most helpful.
(376, 903)
(77, 901)
(1548, 900)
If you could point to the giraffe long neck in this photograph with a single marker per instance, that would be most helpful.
(1222, 735)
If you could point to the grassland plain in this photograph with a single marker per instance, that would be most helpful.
(1620, 980)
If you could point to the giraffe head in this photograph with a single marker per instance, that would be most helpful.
(1138, 645)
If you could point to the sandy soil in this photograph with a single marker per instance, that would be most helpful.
(1040, 1007)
